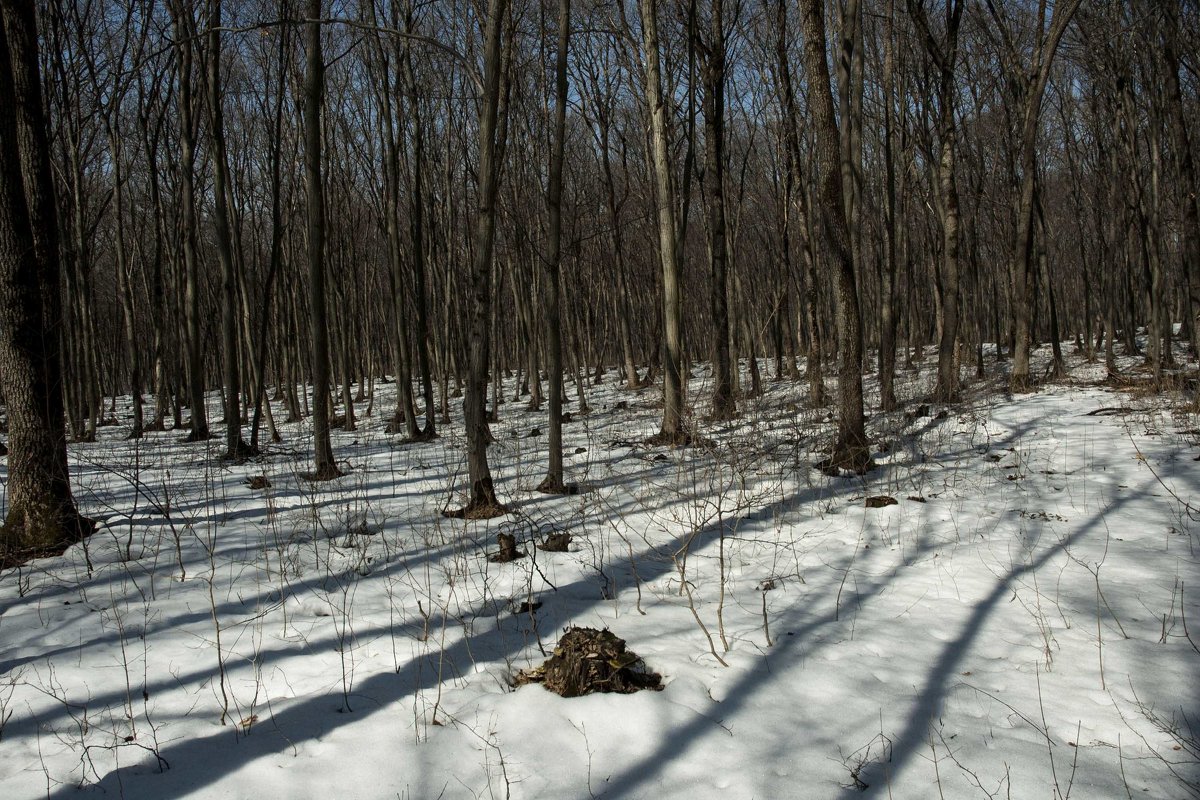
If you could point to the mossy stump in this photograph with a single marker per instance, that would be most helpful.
(588, 660)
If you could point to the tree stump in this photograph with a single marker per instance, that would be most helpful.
(508, 549)
(587, 660)
(557, 542)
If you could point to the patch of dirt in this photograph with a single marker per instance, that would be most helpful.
(880, 500)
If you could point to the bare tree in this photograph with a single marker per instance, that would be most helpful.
(235, 447)
(1189, 181)
(184, 29)
(482, 502)
(850, 450)
(723, 404)
(1028, 76)
(944, 53)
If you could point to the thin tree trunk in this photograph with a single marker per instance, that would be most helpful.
(483, 502)
(314, 86)
(673, 430)
(723, 404)
(236, 448)
(553, 482)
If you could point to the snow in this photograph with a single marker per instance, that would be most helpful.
(1013, 627)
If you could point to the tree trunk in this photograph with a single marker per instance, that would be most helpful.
(945, 57)
(1031, 85)
(1189, 183)
(183, 28)
(314, 86)
(483, 502)
(42, 516)
(723, 404)
(850, 450)
(553, 483)
(236, 448)
(673, 430)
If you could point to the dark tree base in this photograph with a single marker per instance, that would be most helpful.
(552, 485)
(508, 549)
(240, 453)
(74, 528)
(325, 473)
(202, 435)
(421, 436)
(477, 509)
(852, 458)
(670, 439)
(559, 542)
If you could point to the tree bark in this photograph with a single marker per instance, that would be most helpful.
(850, 450)
(236, 448)
(483, 502)
(724, 405)
(183, 28)
(945, 57)
(553, 483)
(673, 430)
(42, 516)
(1030, 83)
(314, 87)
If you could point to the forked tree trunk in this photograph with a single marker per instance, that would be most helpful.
(1031, 83)
(850, 450)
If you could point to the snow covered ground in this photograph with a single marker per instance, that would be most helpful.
(1013, 627)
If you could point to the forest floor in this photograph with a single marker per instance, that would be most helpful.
(1014, 626)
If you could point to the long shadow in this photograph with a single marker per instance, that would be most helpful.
(642, 773)
(927, 704)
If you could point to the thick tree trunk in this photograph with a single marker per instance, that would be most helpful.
(42, 516)
(183, 27)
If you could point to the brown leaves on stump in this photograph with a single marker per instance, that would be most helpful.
(588, 660)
